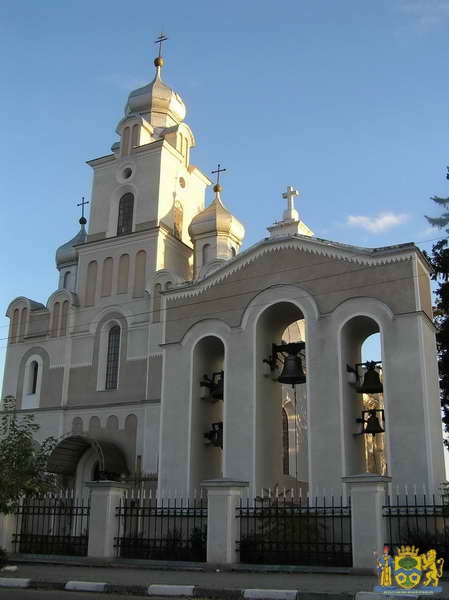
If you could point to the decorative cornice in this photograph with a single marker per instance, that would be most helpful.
(313, 246)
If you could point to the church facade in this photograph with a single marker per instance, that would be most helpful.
(161, 350)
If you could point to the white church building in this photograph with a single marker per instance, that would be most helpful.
(161, 348)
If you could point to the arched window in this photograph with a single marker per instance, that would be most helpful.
(112, 359)
(285, 448)
(106, 277)
(125, 214)
(123, 274)
(91, 283)
(64, 317)
(54, 331)
(140, 274)
(66, 283)
(34, 371)
(14, 326)
(206, 253)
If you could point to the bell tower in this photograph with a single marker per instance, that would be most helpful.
(148, 186)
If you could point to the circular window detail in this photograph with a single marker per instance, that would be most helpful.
(182, 182)
(127, 172)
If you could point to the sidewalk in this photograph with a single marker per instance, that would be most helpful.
(198, 579)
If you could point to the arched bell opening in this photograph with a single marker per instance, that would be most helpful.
(281, 416)
(206, 441)
(363, 397)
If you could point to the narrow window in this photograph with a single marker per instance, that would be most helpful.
(177, 221)
(140, 274)
(66, 283)
(34, 370)
(91, 282)
(64, 317)
(14, 326)
(54, 332)
(123, 274)
(125, 214)
(106, 277)
(157, 303)
(135, 136)
(206, 253)
(23, 324)
(285, 448)
(125, 142)
(112, 359)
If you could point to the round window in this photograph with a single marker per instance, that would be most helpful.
(127, 172)
(182, 182)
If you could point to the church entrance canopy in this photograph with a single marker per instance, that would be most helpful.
(65, 457)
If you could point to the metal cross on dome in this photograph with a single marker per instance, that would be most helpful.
(218, 170)
(83, 204)
(162, 38)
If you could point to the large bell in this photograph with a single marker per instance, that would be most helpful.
(292, 372)
(371, 381)
(372, 424)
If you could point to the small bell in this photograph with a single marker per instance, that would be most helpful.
(218, 389)
(292, 372)
(371, 381)
(372, 424)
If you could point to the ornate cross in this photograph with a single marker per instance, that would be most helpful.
(162, 38)
(83, 204)
(218, 171)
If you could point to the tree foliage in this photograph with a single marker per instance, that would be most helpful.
(23, 461)
(440, 262)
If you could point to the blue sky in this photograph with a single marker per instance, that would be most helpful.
(345, 100)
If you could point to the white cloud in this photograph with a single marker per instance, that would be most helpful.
(426, 14)
(378, 223)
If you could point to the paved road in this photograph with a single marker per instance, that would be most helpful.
(56, 595)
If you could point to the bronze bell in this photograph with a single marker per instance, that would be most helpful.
(372, 424)
(292, 371)
(218, 389)
(371, 381)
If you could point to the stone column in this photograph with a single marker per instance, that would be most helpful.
(223, 527)
(367, 492)
(7, 529)
(103, 522)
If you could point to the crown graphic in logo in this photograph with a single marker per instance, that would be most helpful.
(407, 551)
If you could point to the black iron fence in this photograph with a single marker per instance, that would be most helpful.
(295, 531)
(162, 529)
(52, 524)
(418, 520)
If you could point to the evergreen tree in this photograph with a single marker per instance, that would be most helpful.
(440, 262)
(23, 461)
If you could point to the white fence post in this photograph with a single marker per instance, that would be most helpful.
(7, 524)
(103, 522)
(223, 527)
(367, 493)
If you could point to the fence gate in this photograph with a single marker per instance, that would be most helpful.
(295, 531)
(52, 524)
(162, 529)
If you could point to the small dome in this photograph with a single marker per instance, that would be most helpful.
(67, 254)
(157, 100)
(216, 219)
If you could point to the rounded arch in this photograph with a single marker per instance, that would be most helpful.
(355, 321)
(295, 295)
(205, 328)
(28, 399)
(70, 448)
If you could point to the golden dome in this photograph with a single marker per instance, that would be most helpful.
(216, 219)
